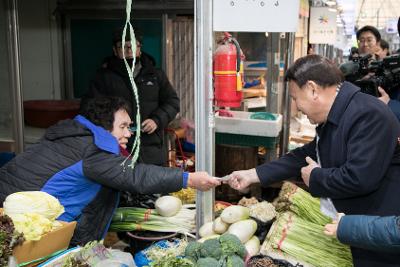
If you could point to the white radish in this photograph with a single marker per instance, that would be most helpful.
(235, 213)
(253, 246)
(206, 230)
(244, 230)
(168, 206)
(219, 226)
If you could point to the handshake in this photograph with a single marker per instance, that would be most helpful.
(238, 180)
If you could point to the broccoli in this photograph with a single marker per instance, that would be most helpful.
(211, 248)
(234, 261)
(207, 262)
(242, 252)
(231, 244)
(222, 261)
(193, 251)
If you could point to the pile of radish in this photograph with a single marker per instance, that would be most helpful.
(233, 220)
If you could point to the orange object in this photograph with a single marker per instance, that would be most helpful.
(56, 240)
(220, 205)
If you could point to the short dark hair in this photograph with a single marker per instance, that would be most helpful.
(371, 29)
(384, 45)
(353, 50)
(117, 35)
(100, 110)
(398, 27)
(314, 68)
(353, 53)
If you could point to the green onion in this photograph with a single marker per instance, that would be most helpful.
(137, 219)
(306, 241)
(293, 198)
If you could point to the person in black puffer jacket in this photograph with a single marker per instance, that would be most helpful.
(79, 162)
(158, 100)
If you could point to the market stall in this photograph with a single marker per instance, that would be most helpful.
(189, 228)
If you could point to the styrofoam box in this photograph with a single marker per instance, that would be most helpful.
(241, 123)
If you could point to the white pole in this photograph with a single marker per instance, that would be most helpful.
(204, 117)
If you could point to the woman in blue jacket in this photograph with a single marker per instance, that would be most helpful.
(79, 162)
(368, 232)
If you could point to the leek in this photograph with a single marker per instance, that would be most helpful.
(306, 241)
(293, 198)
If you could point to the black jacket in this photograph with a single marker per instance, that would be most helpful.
(79, 164)
(360, 157)
(157, 98)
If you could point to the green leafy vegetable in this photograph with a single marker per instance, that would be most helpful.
(207, 262)
(8, 239)
(234, 261)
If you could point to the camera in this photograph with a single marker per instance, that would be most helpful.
(370, 74)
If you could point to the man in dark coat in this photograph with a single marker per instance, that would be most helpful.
(78, 161)
(158, 100)
(355, 157)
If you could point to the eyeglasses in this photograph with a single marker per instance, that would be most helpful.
(367, 40)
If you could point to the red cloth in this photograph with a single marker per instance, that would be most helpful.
(123, 151)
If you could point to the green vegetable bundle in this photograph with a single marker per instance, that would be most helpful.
(9, 239)
(169, 256)
(225, 251)
(306, 241)
(172, 262)
(131, 219)
(293, 198)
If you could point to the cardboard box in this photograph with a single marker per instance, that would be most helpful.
(49, 243)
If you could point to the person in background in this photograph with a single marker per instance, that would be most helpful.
(398, 32)
(159, 103)
(368, 232)
(79, 162)
(392, 99)
(310, 50)
(383, 50)
(354, 158)
(368, 38)
(353, 53)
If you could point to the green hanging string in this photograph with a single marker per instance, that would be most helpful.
(136, 145)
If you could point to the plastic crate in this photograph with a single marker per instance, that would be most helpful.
(246, 140)
(240, 123)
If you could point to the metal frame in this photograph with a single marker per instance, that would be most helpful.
(68, 79)
(15, 74)
(284, 141)
(164, 24)
(273, 61)
(204, 117)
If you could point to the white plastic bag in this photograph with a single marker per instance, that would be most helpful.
(119, 259)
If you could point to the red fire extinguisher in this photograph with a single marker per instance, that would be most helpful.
(228, 73)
